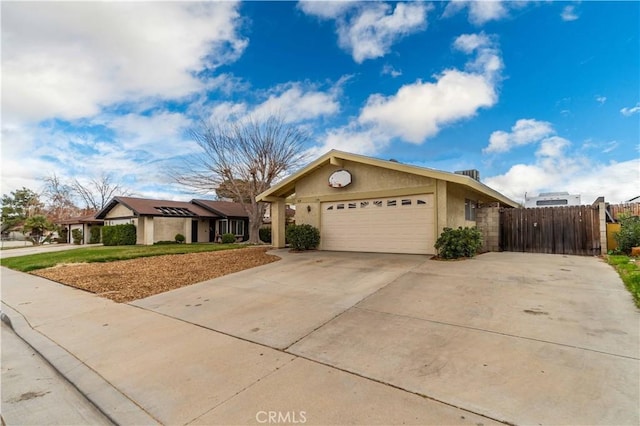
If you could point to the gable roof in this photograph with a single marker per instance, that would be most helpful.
(222, 208)
(149, 207)
(286, 187)
(80, 219)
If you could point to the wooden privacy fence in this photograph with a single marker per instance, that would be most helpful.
(557, 230)
(632, 209)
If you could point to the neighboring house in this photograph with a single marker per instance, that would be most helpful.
(231, 218)
(365, 204)
(552, 199)
(83, 223)
(161, 220)
(290, 215)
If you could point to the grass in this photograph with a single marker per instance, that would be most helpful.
(106, 254)
(629, 272)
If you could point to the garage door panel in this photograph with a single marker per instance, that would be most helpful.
(390, 225)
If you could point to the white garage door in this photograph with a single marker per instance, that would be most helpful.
(387, 225)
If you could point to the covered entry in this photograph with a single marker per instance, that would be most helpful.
(402, 224)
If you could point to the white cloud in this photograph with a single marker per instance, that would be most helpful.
(524, 132)
(70, 59)
(368, 30)
(601, 99)
(390, 70)
(161, 134)
(326, 9)
(552, 147)
(577, 176)
(419, 110)
(629, 111)
(480, 12)
(297, 104)
(569, 13)
(556, 167)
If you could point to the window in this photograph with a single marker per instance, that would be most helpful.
(222, 226)
(406, 202)
(236, 227)
(391, 203)
(377, 203)
(363, 204)
(552, 202)
(330, 208)
(469, 209)
(421, 202)
(340, 207)
(352, 205)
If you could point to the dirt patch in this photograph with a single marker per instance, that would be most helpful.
(128, 280)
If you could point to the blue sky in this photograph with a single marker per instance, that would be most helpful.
(538, 96)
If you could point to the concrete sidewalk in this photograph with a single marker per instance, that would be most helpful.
(142, 367)
(33, 393)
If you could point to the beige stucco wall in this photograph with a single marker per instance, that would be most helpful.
(166, 228)
(367, 182)
(456, 195)
(119, 211)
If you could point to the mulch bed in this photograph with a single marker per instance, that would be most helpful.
(127, 280)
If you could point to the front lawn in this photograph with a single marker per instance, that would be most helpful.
(629, 272)
(33, 262)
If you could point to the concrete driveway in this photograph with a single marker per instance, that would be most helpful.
(518, 338)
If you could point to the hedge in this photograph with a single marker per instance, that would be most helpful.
(119, 235)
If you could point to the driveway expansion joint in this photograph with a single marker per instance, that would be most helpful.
(498, 333)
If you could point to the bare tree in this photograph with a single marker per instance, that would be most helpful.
(98, 191)
(58, 197)
(243, 159)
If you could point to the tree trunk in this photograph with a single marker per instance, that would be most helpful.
(254, 230)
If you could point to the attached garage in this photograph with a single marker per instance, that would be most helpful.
(388, 225)
(365, 204)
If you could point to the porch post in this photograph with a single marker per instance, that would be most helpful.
(278, 223)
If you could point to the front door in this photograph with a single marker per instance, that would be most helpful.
(194, 231)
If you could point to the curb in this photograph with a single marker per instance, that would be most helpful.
(116, 406)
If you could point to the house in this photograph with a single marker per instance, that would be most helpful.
(232, 218)
(161, 220)
(365, 204)
(552, 199)
(83, 223)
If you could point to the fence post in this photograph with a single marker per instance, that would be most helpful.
(602, 211)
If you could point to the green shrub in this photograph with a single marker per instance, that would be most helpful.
(63, 236)
(165, 242)
(265, 235)
(94, 238)
(228, 238)
(180, 238)
(303, 237)
(119, 235)
(76, 234)
(457, 243)
(629, 234)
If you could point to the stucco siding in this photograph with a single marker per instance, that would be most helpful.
(456, 196)
(366, 179)
(166, 228)
(119, 211)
